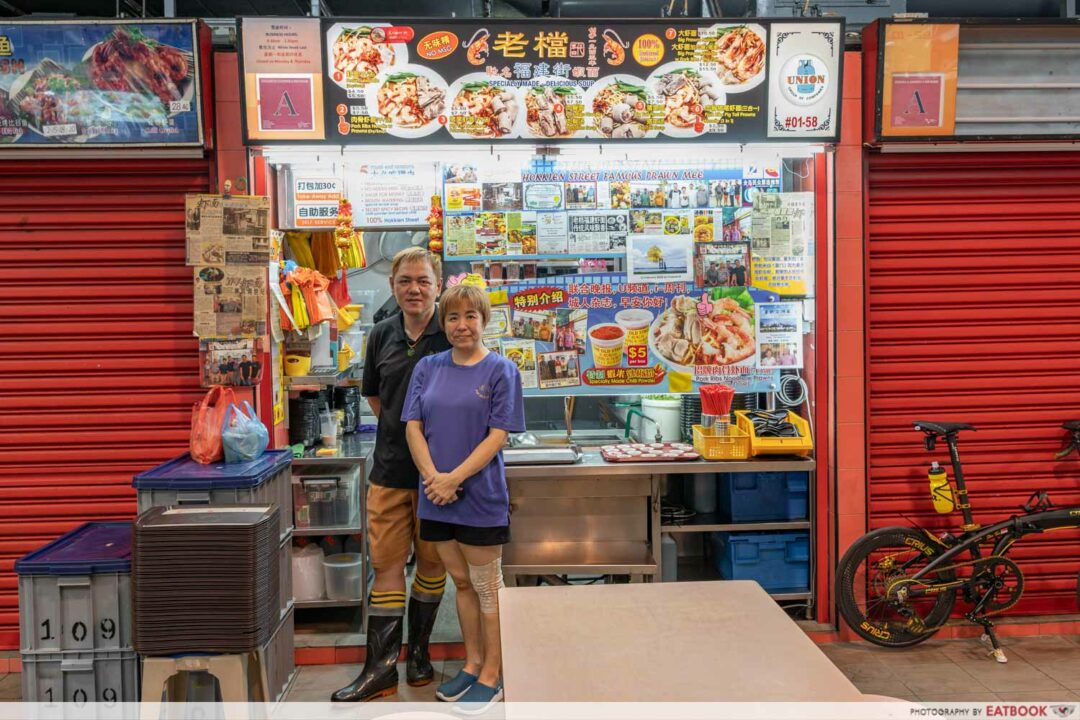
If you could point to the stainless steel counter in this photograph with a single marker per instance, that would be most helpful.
(354, 447)
(593, 465)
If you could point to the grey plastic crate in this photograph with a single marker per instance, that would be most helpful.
(164, 485)
(277, 657)
(75, 612)
(285, 574)
(105, 676)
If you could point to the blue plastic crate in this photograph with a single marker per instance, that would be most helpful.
(183, 473)
(764, 496)
(96, 547)
(182, 481)
(779, 562)
(75, 592)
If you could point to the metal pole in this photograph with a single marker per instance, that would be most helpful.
(170, 8)
(315, 12)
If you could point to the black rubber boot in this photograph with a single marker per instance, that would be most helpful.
(418, 670)
(379, 677)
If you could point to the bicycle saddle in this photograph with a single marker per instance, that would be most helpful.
(941, 428)
(1071, 425)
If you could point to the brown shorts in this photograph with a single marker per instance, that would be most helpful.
(393, 527)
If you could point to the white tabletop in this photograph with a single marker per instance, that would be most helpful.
(713, 641)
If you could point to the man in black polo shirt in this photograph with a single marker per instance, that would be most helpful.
(394, 348)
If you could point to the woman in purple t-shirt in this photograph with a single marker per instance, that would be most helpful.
(460, 407)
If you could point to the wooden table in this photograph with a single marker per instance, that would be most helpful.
(714, 641)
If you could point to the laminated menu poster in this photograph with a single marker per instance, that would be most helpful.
(631, 337)
(229, 231)
(230, 300)
(391, 194)
(779, 334)
(506, 79)
(100, 83)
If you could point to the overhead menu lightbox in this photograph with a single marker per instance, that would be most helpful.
(439, 81)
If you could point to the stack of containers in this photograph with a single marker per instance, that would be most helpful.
(75, 618)
(265, 480)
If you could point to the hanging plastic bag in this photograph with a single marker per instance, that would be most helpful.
(243, 436)
(206, 418)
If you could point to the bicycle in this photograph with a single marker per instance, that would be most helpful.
(896, 586)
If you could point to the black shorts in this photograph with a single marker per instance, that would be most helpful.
(437, 531)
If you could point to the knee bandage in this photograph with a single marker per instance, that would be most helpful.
(486, 580)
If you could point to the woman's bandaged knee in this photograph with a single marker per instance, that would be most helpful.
(486, 581)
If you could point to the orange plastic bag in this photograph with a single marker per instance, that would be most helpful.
(207, 415)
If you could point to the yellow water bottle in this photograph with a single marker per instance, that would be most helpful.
(941, 492)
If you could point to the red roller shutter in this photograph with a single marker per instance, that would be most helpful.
(98, 366)
(973, 286)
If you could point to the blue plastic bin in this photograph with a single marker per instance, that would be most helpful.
(182, 481)
(764, 496)
(779, 562)
(75, 592)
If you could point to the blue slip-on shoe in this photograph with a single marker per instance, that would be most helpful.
(478, 699)
(455, 687)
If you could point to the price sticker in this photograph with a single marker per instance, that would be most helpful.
(637, 355)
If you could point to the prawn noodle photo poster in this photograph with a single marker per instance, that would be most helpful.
(615, 335)
(101, 84)
(504, 79)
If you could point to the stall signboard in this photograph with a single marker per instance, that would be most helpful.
(537, 80)
(603, 334)
(100, 83)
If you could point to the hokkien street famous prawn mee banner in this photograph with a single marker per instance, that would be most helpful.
(99, 83)
(537, 80)
(604, 334)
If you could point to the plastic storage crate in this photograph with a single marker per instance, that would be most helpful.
(182, 481)
(75, 592)
(779, 562)
(802, 445)
(734, 445)
(764, 496)
(277, 658)
(105, 676)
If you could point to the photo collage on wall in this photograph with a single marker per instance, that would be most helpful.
(711, 254)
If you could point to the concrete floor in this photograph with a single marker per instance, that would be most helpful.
(1043, 668)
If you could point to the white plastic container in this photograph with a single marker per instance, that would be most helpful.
(666, 413)
(343, 574)
(308, 576)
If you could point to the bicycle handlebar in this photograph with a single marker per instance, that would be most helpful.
(1072, 444)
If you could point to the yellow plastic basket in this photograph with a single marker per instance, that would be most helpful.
(802, 445)
(733, 446)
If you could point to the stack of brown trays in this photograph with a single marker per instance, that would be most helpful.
(205, 579)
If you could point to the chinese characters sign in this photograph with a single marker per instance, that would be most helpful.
(533, 79)
(101, 84)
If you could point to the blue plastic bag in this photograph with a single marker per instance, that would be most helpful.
(243, 436)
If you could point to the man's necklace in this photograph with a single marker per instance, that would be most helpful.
(412, 345)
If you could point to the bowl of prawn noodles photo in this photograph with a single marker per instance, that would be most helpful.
(686, 93)
(412, 99)
(620, 108)
(127, 61)
(685, 335)
(739, 52)
(482, 108)
(356, 54)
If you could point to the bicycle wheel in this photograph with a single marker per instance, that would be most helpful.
(874, 598)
